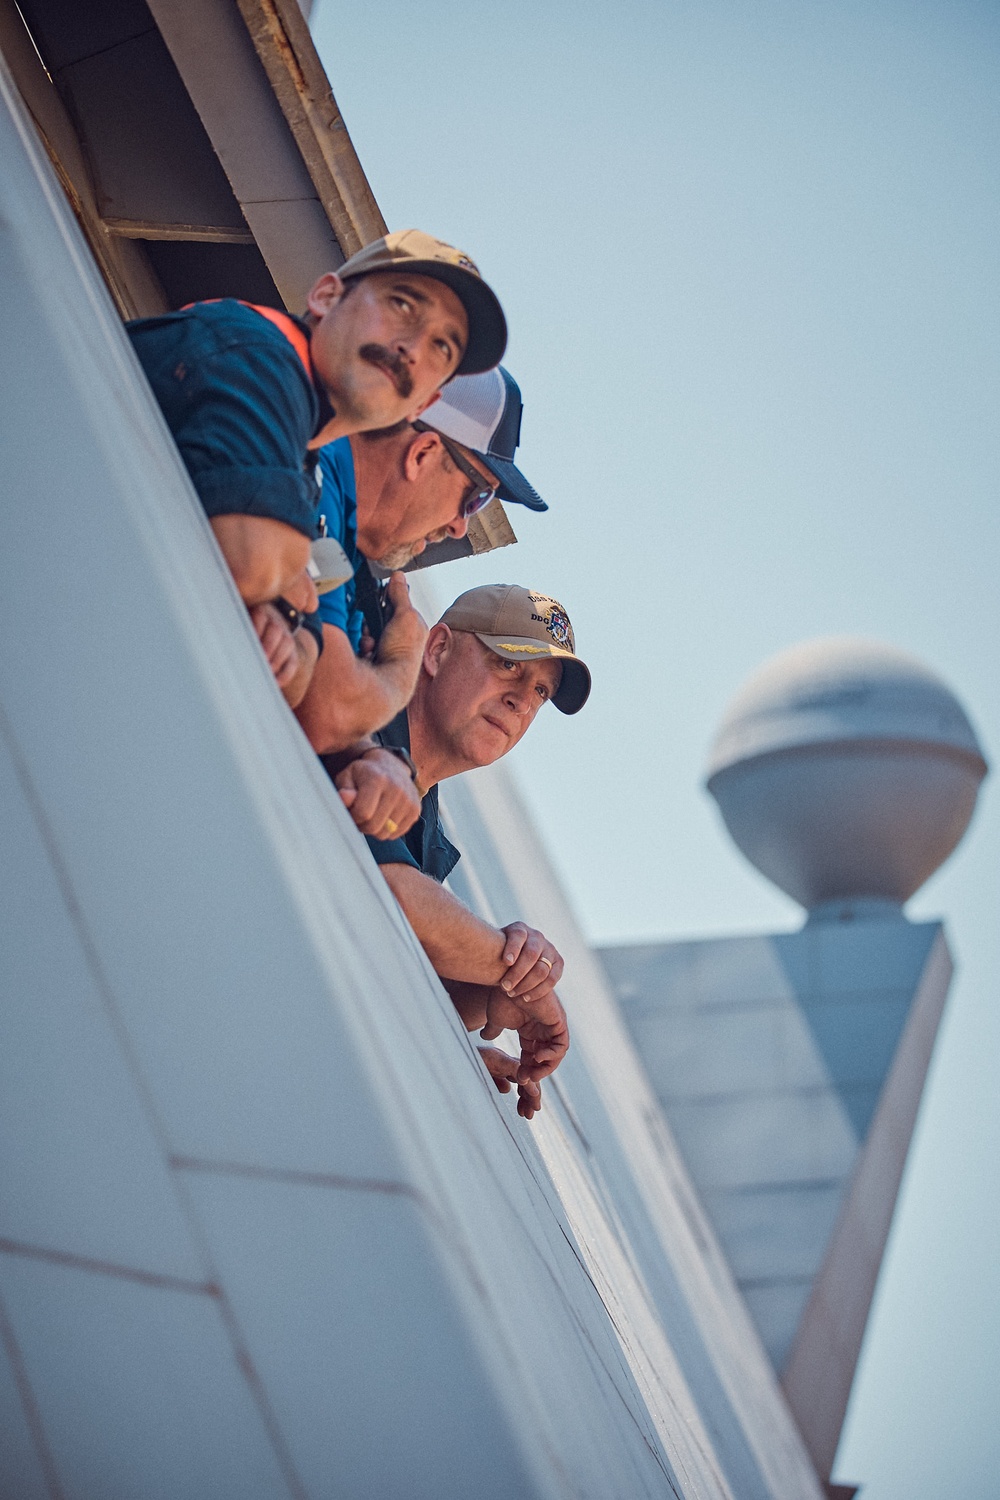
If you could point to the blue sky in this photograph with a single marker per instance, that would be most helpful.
(748, 254)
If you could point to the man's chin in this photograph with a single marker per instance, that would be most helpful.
(398, 557)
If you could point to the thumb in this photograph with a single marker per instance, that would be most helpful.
(398, 591)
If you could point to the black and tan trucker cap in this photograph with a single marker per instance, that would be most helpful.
(523, 625)
(423, 255)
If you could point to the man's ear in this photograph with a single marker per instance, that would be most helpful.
(436, 648)
(325, 294)
(421, 447)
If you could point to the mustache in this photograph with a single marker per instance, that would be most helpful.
(394, 365)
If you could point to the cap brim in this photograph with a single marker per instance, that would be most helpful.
(513, 485)
(574, 685)
(487, 324)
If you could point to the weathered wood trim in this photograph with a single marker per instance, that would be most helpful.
(206, 234)
(285, 47)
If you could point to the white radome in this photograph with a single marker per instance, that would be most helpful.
(846, 771)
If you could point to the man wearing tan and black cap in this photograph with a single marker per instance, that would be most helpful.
(250, 394)
(490, 663)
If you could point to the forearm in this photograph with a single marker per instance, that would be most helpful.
(470, 1000)
(459, 944)
(348, 698)
(265, 556)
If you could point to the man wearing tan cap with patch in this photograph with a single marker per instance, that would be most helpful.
(250, 394)
(490, 663)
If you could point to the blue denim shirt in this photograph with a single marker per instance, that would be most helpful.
(241, 407)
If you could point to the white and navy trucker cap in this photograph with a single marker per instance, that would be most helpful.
(483, 413)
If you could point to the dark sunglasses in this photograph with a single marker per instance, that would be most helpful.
(475, 498)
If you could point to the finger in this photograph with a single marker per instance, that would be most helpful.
(301, 593)
(347, 795)
(283, 675)
(537, 983)
(403, 808)
(271, 636)
(379, 825)
(529, 1099)
(546, 974)
(534, 1072)
(538, 1059)
(259, 618)
(539, 1065)
(531, 950)
(500, 1063)
(398, 591)
(376, 828)
(516, 934)
(367, 810)
(285, 663)
(554, 1045)
(404, 817)
(491, 1031)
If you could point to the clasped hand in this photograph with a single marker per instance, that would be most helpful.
(525, 1001)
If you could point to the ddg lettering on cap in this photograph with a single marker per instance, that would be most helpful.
(518, 623)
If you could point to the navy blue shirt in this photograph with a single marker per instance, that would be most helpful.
(241, 406)
(339, 506)
(426, 847)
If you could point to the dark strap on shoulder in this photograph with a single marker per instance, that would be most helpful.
(369, 596)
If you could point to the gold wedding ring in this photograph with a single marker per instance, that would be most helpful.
(390, 826)
(548, 961)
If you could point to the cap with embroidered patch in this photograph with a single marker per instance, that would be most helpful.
(483, 413)
(423, 255)
(518, 623)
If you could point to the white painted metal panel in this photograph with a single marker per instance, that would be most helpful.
(604, 1106)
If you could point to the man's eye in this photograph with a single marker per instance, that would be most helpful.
(444, 348)
(403, 303)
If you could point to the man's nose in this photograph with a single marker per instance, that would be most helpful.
(458, 527)
(518, 696)
(301, 593)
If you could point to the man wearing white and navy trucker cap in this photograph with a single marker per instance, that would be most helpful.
(387, 496)
(483, 414)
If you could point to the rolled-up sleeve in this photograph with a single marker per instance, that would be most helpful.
(276, 494)
(241, 409)
(390, 852)
(246, 445)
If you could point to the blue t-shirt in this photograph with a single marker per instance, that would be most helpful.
(241, 407)
(339, 505)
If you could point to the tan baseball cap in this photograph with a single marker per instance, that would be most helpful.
(523, 625)
(411, 250)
